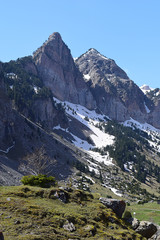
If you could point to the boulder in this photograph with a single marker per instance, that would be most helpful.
(156, 236)
(69, 226)
(61, 195)
(135, 223)
(90, 229)
(146, 229)
(118, 206)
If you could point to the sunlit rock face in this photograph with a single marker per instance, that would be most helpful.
(58, 71)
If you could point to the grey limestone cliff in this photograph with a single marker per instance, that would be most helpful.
(58, 71)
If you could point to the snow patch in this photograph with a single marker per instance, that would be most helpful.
(86, 76)
(90, 179)
(103, 56)
(101, 158)
(115, 191)
(145, 88)
(142, 126)
(147, 109)
(93, 169)
(157, 93)
(35, 89)
(81, 143)
(128, 166)
(90, 119)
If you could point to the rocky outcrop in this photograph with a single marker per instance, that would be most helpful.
(57, 69)
(156, 236)
(69, 226)
(146, 229)
(118, 206)
(115, 94)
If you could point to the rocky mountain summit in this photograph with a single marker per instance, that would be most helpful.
(116, 95)
(93, 81)
(57, 69)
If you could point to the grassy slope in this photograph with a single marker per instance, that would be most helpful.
(35, 213)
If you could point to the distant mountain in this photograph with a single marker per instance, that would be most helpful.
(145, 88)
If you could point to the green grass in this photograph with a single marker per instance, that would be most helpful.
(32, 213)
(146, 212)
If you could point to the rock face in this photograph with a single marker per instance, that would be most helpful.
(57, 69)
(93, 81)
(118, 206)
(115, 94)
(6, 119)
(45, 112)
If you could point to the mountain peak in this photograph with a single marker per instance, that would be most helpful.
(55, 36)
(94, 52)
(58, 72)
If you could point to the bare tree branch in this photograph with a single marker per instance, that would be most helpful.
(38, 162)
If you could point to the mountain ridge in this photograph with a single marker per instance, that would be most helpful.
(49, 90)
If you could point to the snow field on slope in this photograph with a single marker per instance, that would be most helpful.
(142, 126)
(152, 131)
(90, 119)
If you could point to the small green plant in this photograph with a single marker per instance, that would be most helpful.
(39, 180)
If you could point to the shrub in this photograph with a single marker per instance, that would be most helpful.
(39, 180)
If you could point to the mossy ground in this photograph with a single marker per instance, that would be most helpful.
(32, 213)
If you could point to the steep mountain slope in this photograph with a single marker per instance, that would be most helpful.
(20, 136)
(114, 148)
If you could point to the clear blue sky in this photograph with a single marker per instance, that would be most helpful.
(127, 31)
